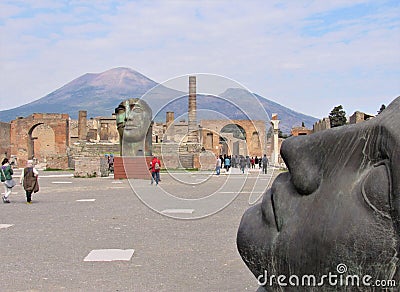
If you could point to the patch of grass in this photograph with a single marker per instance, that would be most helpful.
(88, 175)
(53, 169)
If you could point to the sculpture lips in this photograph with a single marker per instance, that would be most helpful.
(129, 126)
(268, 210)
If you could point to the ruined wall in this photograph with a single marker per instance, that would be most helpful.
(5, 141)
(98, 129)
(108, 129)
(321, 125)
(87, 167)
(359, 117)
(73, 131)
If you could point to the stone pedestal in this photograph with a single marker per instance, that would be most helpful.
(132, 167)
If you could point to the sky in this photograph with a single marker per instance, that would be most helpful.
(309, 56)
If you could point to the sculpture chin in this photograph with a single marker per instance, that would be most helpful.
(256, 235)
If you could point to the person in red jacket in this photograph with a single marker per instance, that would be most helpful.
(155, 167)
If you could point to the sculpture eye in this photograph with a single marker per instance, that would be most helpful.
(376, 189)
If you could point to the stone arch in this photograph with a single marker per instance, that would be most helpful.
(233, 139)
(246, 127)
(24, 132)
(237, 131)
(31, 141)
(42, 140)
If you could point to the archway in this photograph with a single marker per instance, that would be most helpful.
(42, 139)
(233, 140)
(31, 141)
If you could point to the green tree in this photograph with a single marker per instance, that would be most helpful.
(337, 116)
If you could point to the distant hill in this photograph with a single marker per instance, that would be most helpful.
(100, 93)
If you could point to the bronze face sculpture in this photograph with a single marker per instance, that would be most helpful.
(338, 204)
(134, 127)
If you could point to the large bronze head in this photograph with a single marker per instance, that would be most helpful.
(339, 203)
(133, 121)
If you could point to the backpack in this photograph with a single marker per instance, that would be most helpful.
(157, 166)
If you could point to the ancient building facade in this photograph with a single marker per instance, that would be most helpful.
(299, 131)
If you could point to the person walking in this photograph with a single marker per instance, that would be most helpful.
(218, 165)
(6, 178)
(242, 163)
(248, 164)
(155, 170)
(111, 163)
(29, 180)
(264, 164)
(252, 162)
(227, 163)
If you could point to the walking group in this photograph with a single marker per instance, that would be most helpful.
(228, 161)
(28, 180)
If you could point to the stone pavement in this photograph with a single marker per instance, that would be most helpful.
(76, 228)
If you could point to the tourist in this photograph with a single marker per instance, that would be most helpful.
(110, 159)
(235, 161)
(29, 180)
(227, 163)
(155, 167)
(256, 161)
(218, 166)
(264, 164)
(248, 161)
(6, 178)
(242, 163)
(252, 162)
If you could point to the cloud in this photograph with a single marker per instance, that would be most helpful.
(304, 55)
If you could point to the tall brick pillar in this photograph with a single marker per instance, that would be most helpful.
(192, 120)
(170, 131)
(82, 128)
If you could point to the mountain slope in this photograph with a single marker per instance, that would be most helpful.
(99, 94)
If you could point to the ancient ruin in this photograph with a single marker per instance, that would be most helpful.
(57, 141)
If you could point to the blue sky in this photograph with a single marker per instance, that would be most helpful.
(307, 55)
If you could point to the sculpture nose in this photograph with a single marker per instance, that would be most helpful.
(302, 157)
